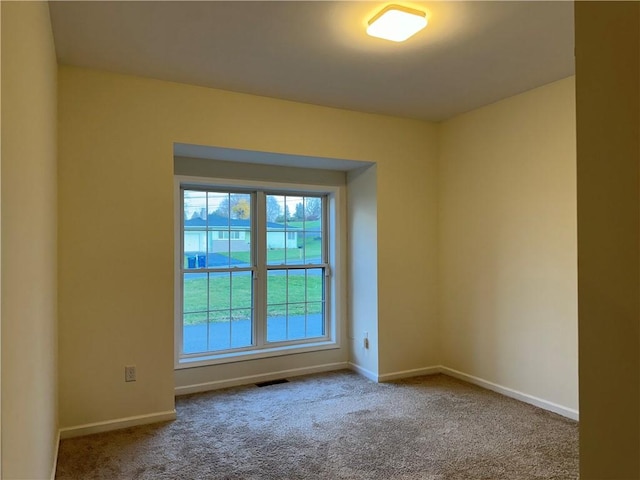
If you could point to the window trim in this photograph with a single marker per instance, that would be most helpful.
(336, 212)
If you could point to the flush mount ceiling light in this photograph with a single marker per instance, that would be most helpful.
(397, 23)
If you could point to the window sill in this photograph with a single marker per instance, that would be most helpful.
(247, 355)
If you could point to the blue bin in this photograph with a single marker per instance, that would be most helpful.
(191, 262)
(202, 261)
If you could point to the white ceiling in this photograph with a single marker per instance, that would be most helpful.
(471, 53)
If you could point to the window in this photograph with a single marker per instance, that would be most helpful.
(234, 235)
(254, 272)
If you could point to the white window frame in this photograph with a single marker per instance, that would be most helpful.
(334, 301)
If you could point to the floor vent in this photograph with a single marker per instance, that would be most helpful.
(272, 382)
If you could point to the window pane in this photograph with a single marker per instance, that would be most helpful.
(294, 211)
(276, 305)
(276, 323)
(296, 328)
(275, 235)
(295, 255)
(312, 213)
(194, 333)
(217, 229)
(296, 287)
(218, 256)
(315, 285)
(241, 328)
(285, 217)
(311, 240)
(276, 287)
(195, 208)
(219, 204)
(276, 241)
(312, 245)
(276, 216)
(217, 226)
(229, 310)
(219, 290)
(295, 303)
(195, 246)
(240, 246)
(294, 230)
(295, 222)
(315, 319)
(219, 333)
(241, 290)
(275, 209)
(239, 209)
(195, 292)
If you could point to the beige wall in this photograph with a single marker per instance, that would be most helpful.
(116, 137)
(407, 196)
(29, 370)
(363, 269)
(608, 128)
(507, 243)
(0, 245)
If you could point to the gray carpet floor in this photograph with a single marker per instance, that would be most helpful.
(336, 426)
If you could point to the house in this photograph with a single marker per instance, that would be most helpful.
(232, 235)
(483, 285)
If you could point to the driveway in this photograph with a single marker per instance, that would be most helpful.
(235, 334)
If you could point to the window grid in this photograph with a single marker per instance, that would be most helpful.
(304, 308)
(306, 229)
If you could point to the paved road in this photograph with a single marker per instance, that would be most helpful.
(224, 335)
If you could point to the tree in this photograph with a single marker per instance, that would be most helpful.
(235, 205)
(224, 207)
(299, 215)
(313, 208)
(273, 209)
(286, 217)
(242, 209)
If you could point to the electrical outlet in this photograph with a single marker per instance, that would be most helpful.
(130, 373)
(366, 340)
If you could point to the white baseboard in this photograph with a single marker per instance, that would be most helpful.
(509, 392)
(386, 377)
(55, 457)
(264, 377)
(89, 428)
(364, 372)
(415, 372)
(116, 424)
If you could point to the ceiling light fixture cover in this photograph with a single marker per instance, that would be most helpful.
(397, 23)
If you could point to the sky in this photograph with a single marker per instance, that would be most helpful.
(196, 201)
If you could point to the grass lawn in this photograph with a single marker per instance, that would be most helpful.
(230, 295)
(308, 225)
(310, 251)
